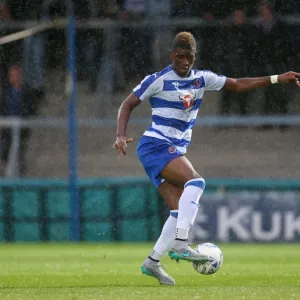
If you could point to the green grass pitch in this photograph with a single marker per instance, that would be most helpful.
(112, 271)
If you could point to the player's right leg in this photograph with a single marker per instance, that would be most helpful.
(151, 266)
(157, 155)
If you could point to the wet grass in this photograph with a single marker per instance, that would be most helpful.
(112, 271)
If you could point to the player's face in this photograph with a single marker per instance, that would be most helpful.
(183, 60)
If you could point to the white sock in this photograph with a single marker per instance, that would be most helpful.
(166, 237)
(188, 207)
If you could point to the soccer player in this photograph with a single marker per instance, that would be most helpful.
(175, 95)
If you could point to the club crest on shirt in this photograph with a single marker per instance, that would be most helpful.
(197, 83)
(188, 100)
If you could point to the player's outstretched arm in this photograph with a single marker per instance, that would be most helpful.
(246, 84)
(124, 113)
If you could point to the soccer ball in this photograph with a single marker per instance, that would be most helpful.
(215, 259)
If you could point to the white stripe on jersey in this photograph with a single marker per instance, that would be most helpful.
(175, 113)
(173, 132)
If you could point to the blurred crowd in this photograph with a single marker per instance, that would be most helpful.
(237, 38)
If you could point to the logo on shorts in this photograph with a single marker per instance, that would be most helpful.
(172, 149)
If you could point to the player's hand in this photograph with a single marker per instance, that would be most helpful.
(121, 144)
(289, 77)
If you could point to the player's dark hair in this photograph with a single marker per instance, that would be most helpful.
(184, 40)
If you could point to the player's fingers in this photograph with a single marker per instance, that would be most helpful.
(298, 83)
(129, 140)
(296, 74)
(118, 147)
(122, 144)
(122, 147)
(121, 151)
(296, 78)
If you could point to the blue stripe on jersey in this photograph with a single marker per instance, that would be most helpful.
(176, 142)
(175, 85)
(175, 123)
(197, 104)
(144, 85)
(161, 103)
(147, 82)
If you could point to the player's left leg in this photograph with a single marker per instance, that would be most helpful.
(181, 173)
(151, 265)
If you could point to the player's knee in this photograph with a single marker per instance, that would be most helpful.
(198, 182)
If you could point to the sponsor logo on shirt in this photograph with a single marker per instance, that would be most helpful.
(188, 100)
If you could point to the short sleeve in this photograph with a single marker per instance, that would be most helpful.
(147, 88)
(213, 81)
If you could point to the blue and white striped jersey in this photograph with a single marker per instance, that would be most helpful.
(175, 102)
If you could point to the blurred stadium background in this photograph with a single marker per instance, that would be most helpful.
(65, 69)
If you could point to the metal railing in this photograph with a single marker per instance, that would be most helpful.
(16, 124)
